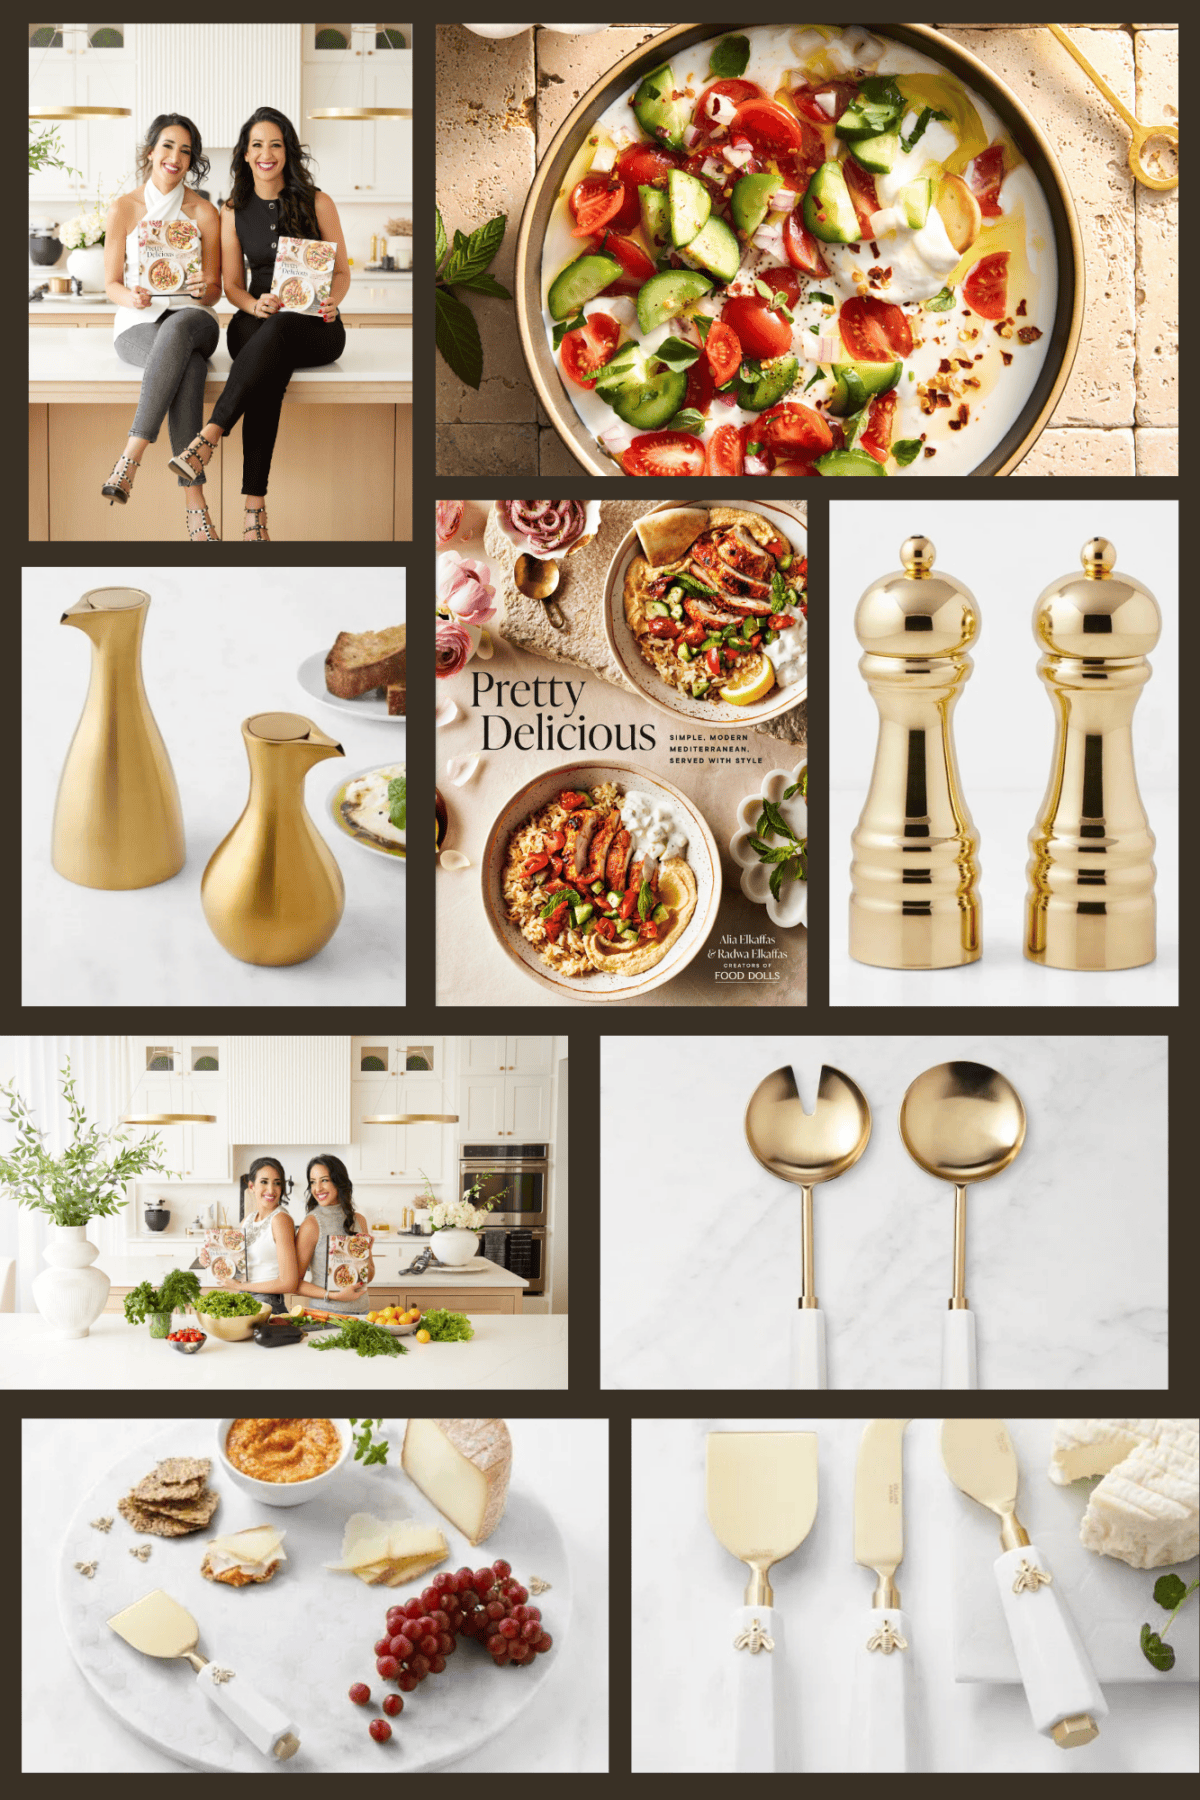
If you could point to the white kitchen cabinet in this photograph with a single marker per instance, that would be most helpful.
(368, 159)
(507, 1055)
(504, 1106)
(196, 1152)
(481, 1107)
(527, 1107)
(392, 1152)
(101, 150)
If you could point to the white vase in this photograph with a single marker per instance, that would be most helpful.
(88, 267)
(455, 1246)
(70, 1294)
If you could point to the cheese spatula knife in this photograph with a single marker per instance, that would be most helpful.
(879, 1722)
(762, 1500)
(159, 1626)
(1064, 1695)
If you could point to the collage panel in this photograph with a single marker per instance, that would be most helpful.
(200, 1541)
(996, 1619)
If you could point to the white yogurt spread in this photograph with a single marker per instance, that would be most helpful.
(365, 801)
(654, 826)
(788, 655)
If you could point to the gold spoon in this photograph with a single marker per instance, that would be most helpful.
(539, 580)
(1140, 134)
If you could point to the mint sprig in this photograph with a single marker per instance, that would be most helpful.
(464, 263)
(366, 1449)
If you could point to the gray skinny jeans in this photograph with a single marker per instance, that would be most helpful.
(173, 350)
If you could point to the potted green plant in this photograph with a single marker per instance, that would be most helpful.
(86, 1181)
(179, 1289)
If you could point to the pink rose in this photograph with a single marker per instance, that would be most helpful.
(453, 648)
(449, 518)
(466, 588)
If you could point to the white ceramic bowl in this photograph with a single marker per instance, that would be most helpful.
(623, 644)
(792, 906)
(283, 1493)
(334, 806)
(524, 546)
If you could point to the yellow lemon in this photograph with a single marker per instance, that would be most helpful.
(422, 1337)
(754, 681)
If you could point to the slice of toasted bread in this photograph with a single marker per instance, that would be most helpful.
(397, 699)
(362, 660)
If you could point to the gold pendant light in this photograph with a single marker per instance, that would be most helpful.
(361, 112)
(410, 1119)
(79, 112)
(129, 1117)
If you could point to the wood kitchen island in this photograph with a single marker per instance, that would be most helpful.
(492, 1290)
(342, 470)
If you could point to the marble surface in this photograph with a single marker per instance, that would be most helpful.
(151, 1265)
(562, 1730)
(213, 654)
(506, 1352)
(1004, 734)
(375, 295)
(681, 1713)
(1067, 1250)
(380, 355)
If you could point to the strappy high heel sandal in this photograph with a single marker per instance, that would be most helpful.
(194, 460)
(259, 527)
(199, 525)
(119, 485)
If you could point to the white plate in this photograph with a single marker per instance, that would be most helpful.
(305, 1636)
(623, 644)
(702, 855)
(334, 807)
(1108, 1601)
(371, 705)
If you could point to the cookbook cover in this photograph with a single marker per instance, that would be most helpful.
(349, 1260)
(303, 273)
(223, 1253)
(168, 255)
(622, 752)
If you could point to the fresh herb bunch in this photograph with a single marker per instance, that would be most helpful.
(1170, 1593)
(179, 1289)
(218, 1303)
(82, 1183)
(447, 1327)
(363, 1338)
(464, 264)
(367, 1449)
(789, 858)
(45, 151)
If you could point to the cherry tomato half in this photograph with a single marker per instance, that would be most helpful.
(643, 165)
(633, 259)
(595, 202)
(861, 185)
(874, 330)
(793, 427)
(759, 331)
(586, 349)
(725, 457)
(664, 453)
(876, 436)
(723, 350)
(801, 247)
(984, 178)
(806, 100)
(986, 288)
(738, 92)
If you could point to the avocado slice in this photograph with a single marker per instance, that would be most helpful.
(717, 250)
(877, 153)
(656, 217)
(752, 199)
(858, 381)
(690, 204)
(658, 112)
(581, 280)
(848, 462)
(914, 200)
(664, 296)
(828, 209)
(766, 383)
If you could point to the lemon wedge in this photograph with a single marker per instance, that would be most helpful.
(754, 681)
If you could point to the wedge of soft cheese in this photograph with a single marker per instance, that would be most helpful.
(462, 1466)
(1145, 1511)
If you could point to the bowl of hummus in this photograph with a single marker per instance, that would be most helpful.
(371, 807)
(283, 1462)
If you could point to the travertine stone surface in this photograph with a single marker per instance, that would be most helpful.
(1084, 452)
(1157, 55)
(568, 66)
(465, 449)
(1157, 451)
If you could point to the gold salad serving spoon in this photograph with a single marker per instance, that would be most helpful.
(1140, 135)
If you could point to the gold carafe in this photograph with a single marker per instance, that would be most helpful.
(914, 899)
(1090, 903)
(272, 891)
(117, 818)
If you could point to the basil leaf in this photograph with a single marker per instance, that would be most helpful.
(817, 377)
(729, 58)
(918, 130)
(690, 585)
(907, 450)
(442, 243)
(703, 325)
(457, 337)
(565, 325)
(814, 295)
(687, 420)
(646, 901)
(676, 352)
(397, 794)
(941, 302)
(471, 256)
(552, 905)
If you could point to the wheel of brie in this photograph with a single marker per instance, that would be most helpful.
(1145, 1511)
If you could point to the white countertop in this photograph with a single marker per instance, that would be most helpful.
(373, 294)
(1067, 1252)
(152, 1265)
(376, 365)
(565, 1729)
(213, 654)
(506, 1352)
(682, 1714)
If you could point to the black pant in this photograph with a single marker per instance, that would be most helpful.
(265, 352)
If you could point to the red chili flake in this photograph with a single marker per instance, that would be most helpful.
(1029, 334)
(944, 366)
(929, 450)
(1006, 357)
(1021, 310)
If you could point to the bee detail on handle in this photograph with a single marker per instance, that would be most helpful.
(887, 1639)
(753, 1640)
(1029, 1579)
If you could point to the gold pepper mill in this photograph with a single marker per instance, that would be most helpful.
(117, 818)
(1090, 903)
(914, 900)
(272, 891)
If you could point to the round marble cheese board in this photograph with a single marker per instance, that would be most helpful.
(304, 1637)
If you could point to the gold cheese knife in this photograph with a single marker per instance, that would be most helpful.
(881, 1670)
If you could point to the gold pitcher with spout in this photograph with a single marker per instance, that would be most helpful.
(272, 891)
(117, 818)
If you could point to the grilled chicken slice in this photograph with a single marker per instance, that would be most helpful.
(707, 612)
(580, 828)
(617, 866)
(557, 920)
(737, 548)
(732, 564)
(601, 844)
(645, 869)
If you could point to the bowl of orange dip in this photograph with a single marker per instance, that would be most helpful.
(282, 1462)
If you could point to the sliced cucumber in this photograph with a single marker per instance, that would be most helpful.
(650, 403)
(752, 200)
(717, 250)
(848, 462)
(690, 204)
(584, 913)
(664, 296)
(581, 280)
(828, 209)
(766, 383)
(914, 200)
(877, 153)
(658, 112)
(660, 915)
(857, 381)
(628, 365)
(656, 217)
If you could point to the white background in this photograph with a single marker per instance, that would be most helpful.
(66, 1728)
(1006, 552)
(218, 646)
(682, 1706)
(1066, 1249)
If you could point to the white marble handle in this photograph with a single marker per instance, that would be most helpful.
(958, 1349)
(758, 1688)
(255, 1716)
(1058, 1676)
(808, 1348)
(879, 1720)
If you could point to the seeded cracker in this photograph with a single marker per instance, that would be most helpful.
(152, 1524)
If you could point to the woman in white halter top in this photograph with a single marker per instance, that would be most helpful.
(270, 1236)
(170, 338)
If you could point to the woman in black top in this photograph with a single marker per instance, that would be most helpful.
(272, 196)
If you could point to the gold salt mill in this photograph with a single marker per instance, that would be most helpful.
(117, 818)
(914, 878)
(272, 891)
(1090, 902)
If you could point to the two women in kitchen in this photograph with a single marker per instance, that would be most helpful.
(271, 1266)
(329, 1212)
(272, 196)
